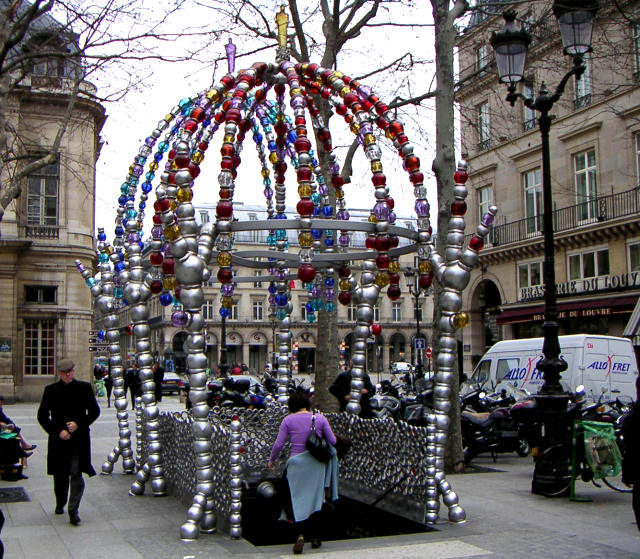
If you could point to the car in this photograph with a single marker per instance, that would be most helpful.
(170, 383)
(401, 368)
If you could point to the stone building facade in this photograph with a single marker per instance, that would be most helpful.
(595, 169)
(47, 311)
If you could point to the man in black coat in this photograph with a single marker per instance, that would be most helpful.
(341, 389)
(631, 453)
(67, 409)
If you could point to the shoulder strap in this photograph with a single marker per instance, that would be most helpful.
(313, 421)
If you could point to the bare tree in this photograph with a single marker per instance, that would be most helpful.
(57, 46)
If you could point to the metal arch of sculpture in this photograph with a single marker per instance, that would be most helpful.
(182, 253)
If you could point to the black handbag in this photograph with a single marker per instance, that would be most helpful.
(316, 445)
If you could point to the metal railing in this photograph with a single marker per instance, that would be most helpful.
(596, 210)
(42, 231)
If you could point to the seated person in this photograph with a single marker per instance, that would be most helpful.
(8, 426)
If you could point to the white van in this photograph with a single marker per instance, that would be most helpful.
(602, 364)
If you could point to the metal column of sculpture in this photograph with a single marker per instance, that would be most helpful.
(102, 289)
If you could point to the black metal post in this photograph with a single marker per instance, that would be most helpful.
(273, 345)
(417, 313)
(224, 366)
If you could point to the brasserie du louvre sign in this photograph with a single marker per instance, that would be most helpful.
(613, 282)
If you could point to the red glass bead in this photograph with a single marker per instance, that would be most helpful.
(344, 297)
(129, 329)
(156, 287)
(162, 205)
(370, 241)
(396, 128)
(337, 181)
(233, 115)
(381, 108)
(306, 273)
(382, 260)
(382, 123)
(379, 179)
(366, 105)
(324, 135)
(390, 202)
(227, 81)
(424, 281)
(280, 128)
(460, 177)
(227, 150)
(219, 118)
(156, 258)
(235, 160)
(383, 243)
(347, 80)
(203, 146)
(171, 154)
(225, 275)
(304, 173)
(305, 207)
(394, 240)
(302, 144)
(157, 220)
(325, 93)
(458, 207)
(311, 69)
(279, 89)
(181, 162)
(224, 209)
(226, 163)
(412, 163)
(393, 292)
(225, 193)
(191, 125)
(327, 146)
(416, 177)
(169, 267)
(394, 279)
(402, 139)
(194, 170)
(341, 109)
(376, 329)
(260, 95)
(172, 177)
(476, 243)
(280, 167)
(344, 272)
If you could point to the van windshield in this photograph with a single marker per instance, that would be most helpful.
(481, 374)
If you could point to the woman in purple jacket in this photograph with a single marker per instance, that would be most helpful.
(306, 477)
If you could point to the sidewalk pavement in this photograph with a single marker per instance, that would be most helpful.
(504, 520)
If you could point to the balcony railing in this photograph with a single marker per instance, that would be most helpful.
(596, 210)
(42, 231)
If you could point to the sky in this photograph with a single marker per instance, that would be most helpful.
(131, 120)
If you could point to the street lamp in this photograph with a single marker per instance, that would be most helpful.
(273, 320)
(575, 20)
(412, 284)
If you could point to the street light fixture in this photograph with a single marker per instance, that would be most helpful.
(575, 20)
(412, 284)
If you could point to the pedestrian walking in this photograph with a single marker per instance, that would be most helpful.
(305, 477)
(158, 377)
(631, 453)
(341, 389)
(66, 410)
(108, 385)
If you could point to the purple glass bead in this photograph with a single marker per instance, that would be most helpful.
(366, 128)
(329, 294)
(150, 141)
(132, 238)
(316, 291)
(487, 219)
(360, 139)
(156, 232)
(298, 102)
(179, 121)
(334, 168)
(137, 170)
(422, 208)
(166, 248)
(179, 319)
(392, 217)
(227, 289)
(323, 190)
(236, 103)
(344, 240)
(286, 65)
(343, 215)
(381, 211)
(281, 274)
(363, 92)
(268, 193)
(272, 299)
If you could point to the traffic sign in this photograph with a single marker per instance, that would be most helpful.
(419, 343)
(428, 353)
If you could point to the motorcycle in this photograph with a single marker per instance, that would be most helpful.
(493, 430)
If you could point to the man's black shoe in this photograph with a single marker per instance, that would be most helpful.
(59, 510)
(74, 518)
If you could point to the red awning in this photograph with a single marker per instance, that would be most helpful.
(589, 308)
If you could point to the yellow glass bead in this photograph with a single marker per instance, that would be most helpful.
(213, 95)
(226, 302)
(295, 91)
(197, 158)
(305, 239)
(109, 249)
(273, 157)
(394, 266)
(424, 267)
(265, 173)
(344, 285)
(172, 232)
(461, 320)
(382, 279)
(173, 205)
(369, 139)
(372, 219)
(281, 117)
(388, 134)
(337, 74)
(355, 127)
(346, 89)
(305, 190)
(339, 194)
(224, 258)
(169, 117)
(228, 138)
(184, 195)
(153, 166)
(376, 167)
(173, 166)
(170, 283)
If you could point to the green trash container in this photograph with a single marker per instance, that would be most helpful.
(98, 386)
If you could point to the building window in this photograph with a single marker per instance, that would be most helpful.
(636, 138)
(636, 51)
(529, 275)
(303, 312)
(482, 57)
(234, 312)
(351, 313)
(42, 195)
(39, 347)
(484, 127)
(532, 184)
(208, 309)
(634, 256)
(589, 264)
(258, 310)
(376, 313)
(586, 185)
(257, 273)
(45, 294)
(485, 200)
(396, 311)
(530, 117)
(583, 85)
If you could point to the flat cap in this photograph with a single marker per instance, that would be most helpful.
(66, 365)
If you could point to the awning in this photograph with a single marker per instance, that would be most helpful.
(588, 308)
(632, 329)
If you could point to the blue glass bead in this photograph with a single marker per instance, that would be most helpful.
(101, 334)
(328, 242)
(317, 211)
(316, 198)
(103, 258)
(163, 146)
(102, 236)
(329, 282)
(308, 286)
(142, 205)
(206, 122)
(281, 234)
(131, 213)
(149, 141)
(311, 318)
(271, 240)
(140, 160)
(257, 138)
(272, 145)
(329, 307)
(125, 302)
(280, 314)
(316, 234)
(141, 245)
(308, 307)
(272, 288)
(147, 187)
(158, 157)
(118, 267)
(118, 291)
(291, 136)
(327, 211)
(281, 216)
(119, 230)
(185, 102)
(124, 189)
(224, 313)
(90, 282)
(281, 299)
(131, 198)
(317, 304)
(166, 299)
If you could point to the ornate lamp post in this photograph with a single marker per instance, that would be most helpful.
(415, 291)
(575, 21)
